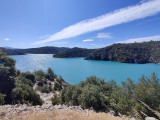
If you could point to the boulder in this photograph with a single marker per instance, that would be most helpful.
(150, 118)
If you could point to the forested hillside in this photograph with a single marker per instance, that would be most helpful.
(74, 52)
(43, 50)
(147, 52)
(11, 52)
(40, 50)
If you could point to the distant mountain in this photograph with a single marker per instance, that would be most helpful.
(147, 52)
(43, 50)
(11, 48)
(11, 51)
(40, 50)
(74, 52)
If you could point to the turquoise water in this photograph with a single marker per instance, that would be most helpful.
(74, 70)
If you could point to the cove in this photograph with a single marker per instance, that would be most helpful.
(74, 70)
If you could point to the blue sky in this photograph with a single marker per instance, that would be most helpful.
(77, 23)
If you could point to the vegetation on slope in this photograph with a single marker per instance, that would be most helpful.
(45, 81)
(105, 96)
(17, 87)
(147, 52)
(43, 50)
(74, 52)
(129, 98)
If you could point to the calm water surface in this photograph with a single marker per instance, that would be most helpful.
(74, 70)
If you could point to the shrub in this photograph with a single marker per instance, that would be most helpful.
(56, 100)
(1, 99)
(24, 94)
(50, 74)
(29, 76)
(124, 99)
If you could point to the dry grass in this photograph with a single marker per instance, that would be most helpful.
(63, 115)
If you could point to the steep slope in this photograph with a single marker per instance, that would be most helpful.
(147, 52)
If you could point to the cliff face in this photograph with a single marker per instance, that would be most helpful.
(147, 52)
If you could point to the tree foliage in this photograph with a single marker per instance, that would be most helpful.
(147, 52)
(124, 98)
(73, 52)
(15, 86)
(40, 50)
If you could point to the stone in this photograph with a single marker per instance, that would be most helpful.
(112, 113)
(150, 118)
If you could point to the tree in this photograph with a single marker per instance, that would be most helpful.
(50, 74)
(7, 73)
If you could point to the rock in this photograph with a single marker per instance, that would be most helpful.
(92, 109)
(150, 118)
(132, 119)
(120, 115)
(112, 113)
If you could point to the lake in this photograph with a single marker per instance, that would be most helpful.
(74, 70)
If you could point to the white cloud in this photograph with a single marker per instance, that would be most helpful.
(88, 40)
(120, 16)
(104, 35)
(145, 39)
(60, 43)
(6, 39)
(44, 36)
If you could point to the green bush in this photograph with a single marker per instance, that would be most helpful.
(1, 99)
(56, 100)
(124, 99)
(29, 76)
(57, 86)
(50, 74)
(24, 94)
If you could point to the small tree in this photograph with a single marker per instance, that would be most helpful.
(50, 74)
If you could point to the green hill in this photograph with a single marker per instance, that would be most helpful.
(11, 51)
(147, 52)
(74, 52)
(40, 50)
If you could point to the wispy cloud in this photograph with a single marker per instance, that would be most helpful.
(60, 43)
(145, 39)
(44, 36)
(88, 40)
(142, 1)
(120, 16)
(6, 39)
(104, 35)
(147, 21)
